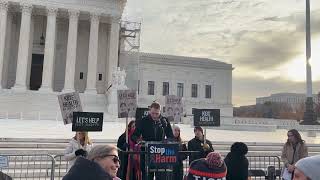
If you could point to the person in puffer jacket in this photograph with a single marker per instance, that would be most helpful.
(210, 168)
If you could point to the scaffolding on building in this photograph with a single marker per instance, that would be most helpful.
(130, 36)
(129, 46)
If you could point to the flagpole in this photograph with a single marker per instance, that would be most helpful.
(309, 117)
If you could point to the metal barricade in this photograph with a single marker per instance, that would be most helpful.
(259, 166)
(61, 166)
(48, 167)
(27, 167)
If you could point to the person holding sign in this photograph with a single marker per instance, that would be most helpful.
(153, 127)
(127, 163)
(78, 146)
(198, 143)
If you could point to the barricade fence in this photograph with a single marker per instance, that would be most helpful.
(48, 167)
(27, 167)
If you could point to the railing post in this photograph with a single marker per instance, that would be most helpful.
(271, 173)
(53, 164)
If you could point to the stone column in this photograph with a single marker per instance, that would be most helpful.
(93, 54)
(49, 51)
(113, 48)
(24, 47)
(71, 51)
(3, 28)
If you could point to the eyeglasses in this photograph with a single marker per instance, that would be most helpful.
(115, 158)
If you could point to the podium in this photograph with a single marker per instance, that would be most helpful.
(160, 158)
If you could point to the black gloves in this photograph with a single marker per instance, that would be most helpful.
(81, 152)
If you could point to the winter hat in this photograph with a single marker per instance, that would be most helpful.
(214, 159)
(211, 167)
(175, 127)
(198, 128)
(310, 167)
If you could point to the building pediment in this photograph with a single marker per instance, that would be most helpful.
(112, 8)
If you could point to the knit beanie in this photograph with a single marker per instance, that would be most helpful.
(310, 167)
(211, 167)
(214, 159)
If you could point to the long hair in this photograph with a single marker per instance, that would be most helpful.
(179, 137)
(296, 135)
(129, 126)
(87, 140)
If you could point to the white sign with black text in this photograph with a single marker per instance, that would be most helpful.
(69, 103)
(127, 103)
(173, 108)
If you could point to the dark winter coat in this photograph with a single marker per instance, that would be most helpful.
(84, 169)
(178, 169)
(153, 130)
(196, 144)
(121, 144)
(237, 166)
(4, 176)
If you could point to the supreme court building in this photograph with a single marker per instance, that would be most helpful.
(49, 47)
(58, 45)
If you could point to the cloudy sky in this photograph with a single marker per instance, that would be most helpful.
(263, 39)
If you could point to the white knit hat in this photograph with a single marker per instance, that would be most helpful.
(310, 167)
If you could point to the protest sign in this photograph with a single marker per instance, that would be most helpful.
(162, 155)
(141, 113)
(69, 103)
(174, 108)
(87, 121)
(127, 103)
(206, 117)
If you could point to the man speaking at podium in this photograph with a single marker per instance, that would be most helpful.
(153, 127)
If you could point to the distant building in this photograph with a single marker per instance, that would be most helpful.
(292, 99)
(203, 83)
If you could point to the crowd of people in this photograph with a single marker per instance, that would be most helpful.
(103, 161)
